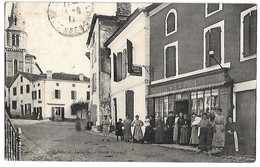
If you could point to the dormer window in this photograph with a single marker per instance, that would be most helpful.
(212, 8)
(171, 22)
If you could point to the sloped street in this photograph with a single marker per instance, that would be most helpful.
(59, 141)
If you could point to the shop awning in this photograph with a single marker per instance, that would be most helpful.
(187, 89)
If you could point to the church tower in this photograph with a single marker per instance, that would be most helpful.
(15, 42)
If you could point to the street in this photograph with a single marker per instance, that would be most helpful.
(59, 141)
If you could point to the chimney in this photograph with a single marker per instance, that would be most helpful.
(123, 10)
(81, 77)
(49, 74)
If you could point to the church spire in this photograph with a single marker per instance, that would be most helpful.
(15, 20)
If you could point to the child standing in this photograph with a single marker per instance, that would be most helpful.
(119, 129)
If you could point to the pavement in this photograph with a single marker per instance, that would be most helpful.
(59, 141)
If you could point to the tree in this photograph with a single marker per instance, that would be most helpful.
(78, 106)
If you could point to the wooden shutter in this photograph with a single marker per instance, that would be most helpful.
(119, 66)
(129, 55)
(246, 35)
(253, 32)
(130, 104)
(115, 67)
(215, 45)
(59, 94)
(207, 49)
(124, 65)
(170, 61)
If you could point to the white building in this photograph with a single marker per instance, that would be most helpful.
(49, 95)
(130, 66)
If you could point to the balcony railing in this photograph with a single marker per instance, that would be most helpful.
(12, 140)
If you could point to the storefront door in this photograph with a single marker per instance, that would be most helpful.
(182, 106)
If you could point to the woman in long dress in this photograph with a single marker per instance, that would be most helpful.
(138, 134)
(219, 134)
(194, 139)
(175, 129)
(185, 128)
(159, 131)
(127, 129)
(231, 143)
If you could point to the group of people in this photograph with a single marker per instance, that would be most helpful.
(206, 131)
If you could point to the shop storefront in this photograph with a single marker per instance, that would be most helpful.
(194, 94)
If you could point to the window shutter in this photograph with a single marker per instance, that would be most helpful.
(59, 94)
(124, 65)
(215, 45)
(72, 95)
(253, 32)
(119, 66)
(130, 104)
(207, 48)
(75, 95)
(32, 96)
(246, 35)
(115, 67)
(129, 55)
(170, 61)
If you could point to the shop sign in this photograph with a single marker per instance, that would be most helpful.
(136, 70)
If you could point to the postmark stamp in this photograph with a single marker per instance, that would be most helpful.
(70, 18)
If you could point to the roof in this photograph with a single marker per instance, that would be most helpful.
(9, 81)
(71, 77)
(29, 55)
(93, 22)
(129, 20)
(31, 77)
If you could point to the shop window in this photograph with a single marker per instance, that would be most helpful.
(165, 108)
(213, 44)
(248, 34)
(171, 103)
(204, 101)
(212, 8)
(171, 22)
(159, 102)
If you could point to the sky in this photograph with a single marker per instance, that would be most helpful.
(54, 51)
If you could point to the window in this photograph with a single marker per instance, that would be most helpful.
(73, 85)
(39, 94)
(21, 78)
(57, 94)
(13, 39)
(171, 60)
(119, 66)
(39, 84)
(88, 95)
(57, 84)
(15, 66)
(17, 40)
(14, 91)
(14, 105)
(171, 22)
(15, 21)
(204, 101)
(21, 89)
(88, 86)
(27, 88)
(248, 33)
(212, 8)
(29, 109)
(34, 95)
(73, 94)
(28, 70)
(214, 45)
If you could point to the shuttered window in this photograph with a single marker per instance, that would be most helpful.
(213, 46)
(115, 66)
(27, 88)
(14, 91)
(119, 66)
(57, 94)
(73, 95)
(124, 64)
(170, 23)
(250, 33)
(129, 55)
(21, 89)
(212, 7)
(170, 55)
(130, 104)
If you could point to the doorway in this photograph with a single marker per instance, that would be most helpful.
(130, 104)
(181, 106)
(115, 107)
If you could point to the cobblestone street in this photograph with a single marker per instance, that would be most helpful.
(59, 141)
